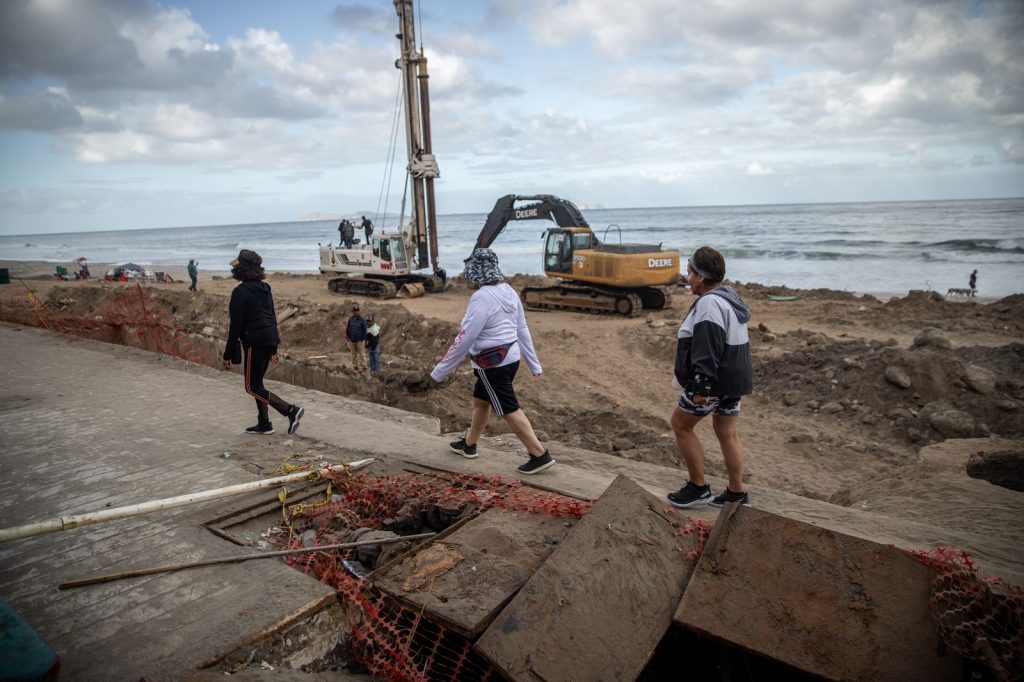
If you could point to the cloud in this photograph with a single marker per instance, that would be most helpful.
(41, 111)
(362, 18)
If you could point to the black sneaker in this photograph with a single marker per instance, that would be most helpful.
(294, 415)
(729, 496)
(690, 495)
(261, 429)
(462, 448)
(537, 464)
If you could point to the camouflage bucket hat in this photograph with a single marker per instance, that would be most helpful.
(482, 267)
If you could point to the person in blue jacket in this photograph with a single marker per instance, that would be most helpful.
(713, 367)
(355, 335)
(253, 340)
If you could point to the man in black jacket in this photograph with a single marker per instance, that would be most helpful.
(355, 335)
(254, 326)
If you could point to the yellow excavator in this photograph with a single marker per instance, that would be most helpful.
(595, 277)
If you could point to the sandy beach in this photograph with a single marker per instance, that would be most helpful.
(852, 404)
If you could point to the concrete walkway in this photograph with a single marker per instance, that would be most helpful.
(85, 426)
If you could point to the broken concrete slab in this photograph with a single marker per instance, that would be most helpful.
(597, 608)
(464, 579)
(830, 604)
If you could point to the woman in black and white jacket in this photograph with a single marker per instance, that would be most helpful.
(714, 369)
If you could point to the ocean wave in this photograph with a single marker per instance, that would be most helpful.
(979, 245)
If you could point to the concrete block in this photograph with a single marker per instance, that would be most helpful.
(599, 605)
(833, 605)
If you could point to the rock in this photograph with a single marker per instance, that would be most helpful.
(980, 379)
(208, 331)
(762, 327)
(790, 398)
(812, 404)
(1005, 469)
(952, 423)
(1007, 406)
(897, 376)
(853, 363)
(900, 413)
(816, 339)
(831, 407)
(801, 437)
(870, 418)
(542, 436)
(932, 336)
(620, 444)
(768, 337)
(914, 435)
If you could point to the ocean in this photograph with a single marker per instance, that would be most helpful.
(876, 248)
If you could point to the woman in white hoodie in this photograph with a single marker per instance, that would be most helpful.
(494, 334)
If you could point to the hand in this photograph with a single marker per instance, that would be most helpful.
(699, 399)
(276, 359)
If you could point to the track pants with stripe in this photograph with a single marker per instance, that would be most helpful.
(257, 360)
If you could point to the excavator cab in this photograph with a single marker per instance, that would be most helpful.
(561, 245)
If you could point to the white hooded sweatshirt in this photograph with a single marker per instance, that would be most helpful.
(494, 317)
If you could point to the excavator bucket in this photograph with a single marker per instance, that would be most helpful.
(411, 290)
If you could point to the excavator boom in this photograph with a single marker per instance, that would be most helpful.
(546, 207)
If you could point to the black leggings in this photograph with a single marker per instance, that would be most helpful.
(257, 360)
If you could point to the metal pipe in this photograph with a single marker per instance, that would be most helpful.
(82, 582)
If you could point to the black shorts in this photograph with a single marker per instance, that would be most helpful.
(495, 386)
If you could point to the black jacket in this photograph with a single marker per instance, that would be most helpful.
(253, 321)
(713, 351)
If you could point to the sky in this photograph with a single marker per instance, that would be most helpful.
(128, 114)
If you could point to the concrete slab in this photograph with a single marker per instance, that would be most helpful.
(597, 608)
(831, 604)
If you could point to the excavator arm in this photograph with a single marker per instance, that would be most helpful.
(546, 207)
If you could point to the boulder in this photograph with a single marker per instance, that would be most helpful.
(831, 407)
(979, 379)
(952, 423)
(1004, 468)
(932, 336)
(897, 376)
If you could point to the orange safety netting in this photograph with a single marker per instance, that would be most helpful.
(980, 618)
(132, 318)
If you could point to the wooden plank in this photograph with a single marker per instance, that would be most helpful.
(463, 580)
(602, 601)
(831, 604)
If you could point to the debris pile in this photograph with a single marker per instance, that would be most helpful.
(522, 584)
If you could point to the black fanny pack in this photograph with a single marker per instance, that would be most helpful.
(492, 357)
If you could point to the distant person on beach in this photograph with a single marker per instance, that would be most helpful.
(973, 282)
(373, 343)
(253, 340)
(714, 369)
(193, 273)
(355, 335)
(347, 231)
(495, 336)
(367, 228)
